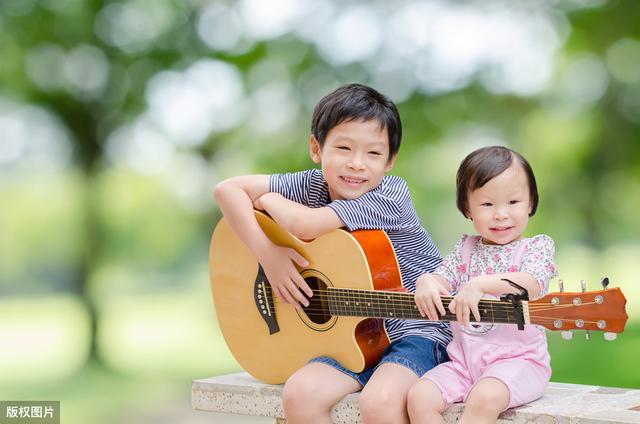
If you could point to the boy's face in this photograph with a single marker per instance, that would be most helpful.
(354, 158)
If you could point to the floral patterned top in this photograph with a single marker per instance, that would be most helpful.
(537, 260)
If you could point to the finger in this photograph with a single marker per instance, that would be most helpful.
(299, 281)
(431, 311)
(452, 306)
(287, 296)
(440, 307)
(297, 294)
(298, 258)
(476, 313)
(420, 306)
(465, 316)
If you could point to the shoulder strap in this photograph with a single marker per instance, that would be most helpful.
(467, 247)
(518, 254)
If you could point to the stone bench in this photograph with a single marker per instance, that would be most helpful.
(562, 403)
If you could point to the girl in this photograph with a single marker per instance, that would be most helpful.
(492, 367)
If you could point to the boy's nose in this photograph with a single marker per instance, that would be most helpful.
(356, 164)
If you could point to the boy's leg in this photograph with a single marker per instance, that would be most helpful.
(384, 397)
(310, 393)
(487, 399)
(425, 403)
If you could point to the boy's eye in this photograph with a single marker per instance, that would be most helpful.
(375, 153)
(343, 148)
(487, 204)
(513, 202)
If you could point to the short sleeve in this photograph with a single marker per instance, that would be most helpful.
(297, 186)
(386, 207)
(539, 261)
(450, 268)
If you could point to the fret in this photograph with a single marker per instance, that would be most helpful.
(388, 305)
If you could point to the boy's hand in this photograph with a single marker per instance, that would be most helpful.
(466, 302)
(257, 204)
(286, 281)
(428, 292)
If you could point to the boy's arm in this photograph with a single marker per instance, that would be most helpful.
(235, 197)
(302, 221)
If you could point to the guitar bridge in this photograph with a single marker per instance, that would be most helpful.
(263, 297)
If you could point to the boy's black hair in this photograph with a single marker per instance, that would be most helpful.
(357, 102)
(484, 164)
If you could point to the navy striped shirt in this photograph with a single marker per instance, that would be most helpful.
(387, 207)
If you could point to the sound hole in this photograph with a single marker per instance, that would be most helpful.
(318, 309)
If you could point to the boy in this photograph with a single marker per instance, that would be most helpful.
(356, 134)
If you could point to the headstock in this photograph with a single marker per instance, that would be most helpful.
(602, 310)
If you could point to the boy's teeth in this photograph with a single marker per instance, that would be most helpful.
(352, 180)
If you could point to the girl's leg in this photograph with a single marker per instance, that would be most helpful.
(384, 397)
(425, 403)
(310, 393)
(487, 399)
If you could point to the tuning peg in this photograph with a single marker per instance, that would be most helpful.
(587, 335)
(567, 335)
(561, 285)
(583, 285)
(604, 282)
(609, 336)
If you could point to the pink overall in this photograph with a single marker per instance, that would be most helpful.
(518, 358)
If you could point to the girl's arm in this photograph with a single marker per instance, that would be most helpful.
(429, 288)
(466, 301)
(303, 222)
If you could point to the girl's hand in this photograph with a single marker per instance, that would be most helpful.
(427, 297)
(466, 302)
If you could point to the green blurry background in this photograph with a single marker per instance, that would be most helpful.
(118, 118)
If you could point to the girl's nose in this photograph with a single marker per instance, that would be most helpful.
(500, 214)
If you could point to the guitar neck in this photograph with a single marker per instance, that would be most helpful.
(387, 305)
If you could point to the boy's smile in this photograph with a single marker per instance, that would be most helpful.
(354, 158)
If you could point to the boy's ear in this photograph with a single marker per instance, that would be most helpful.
(390, 163)
(314, 149)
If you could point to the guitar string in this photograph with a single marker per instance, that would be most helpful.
(451, 317)
(503, 313)
(507, 309)
(409, 301)
(375, 294)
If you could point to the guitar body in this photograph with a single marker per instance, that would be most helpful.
(271, 339)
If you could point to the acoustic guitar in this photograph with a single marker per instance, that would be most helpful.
(356, 283)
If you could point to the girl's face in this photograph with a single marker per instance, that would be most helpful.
(500, 209)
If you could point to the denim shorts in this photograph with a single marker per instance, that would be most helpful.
(416, 353)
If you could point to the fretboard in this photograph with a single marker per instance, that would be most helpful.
(388, 305)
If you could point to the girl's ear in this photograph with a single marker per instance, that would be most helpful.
(314, 149)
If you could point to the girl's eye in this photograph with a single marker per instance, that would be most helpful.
(343, 148)
(486, 204)
(375, 153)
(513, 202)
